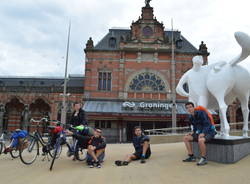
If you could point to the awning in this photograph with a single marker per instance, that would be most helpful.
(129, 107)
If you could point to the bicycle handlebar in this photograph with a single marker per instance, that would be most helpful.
(39, 121)
(44, 120)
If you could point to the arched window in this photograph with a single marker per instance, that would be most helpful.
(147, 82)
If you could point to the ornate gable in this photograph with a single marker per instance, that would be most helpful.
(147, 29)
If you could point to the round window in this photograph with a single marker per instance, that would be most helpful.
(147, 31)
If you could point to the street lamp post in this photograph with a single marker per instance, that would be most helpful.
(173, 83)
(64, 95)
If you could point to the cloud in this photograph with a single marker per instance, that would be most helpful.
(28, 65)
(33, 34)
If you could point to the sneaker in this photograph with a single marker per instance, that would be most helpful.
(202, 161)
(143, 161)
(90, 164)
(190, 159)
(118, 163)
(98, 165)
(124, 163)
(121, 163)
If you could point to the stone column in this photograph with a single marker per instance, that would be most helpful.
(124, 131)
(120, 131)
(2, 111)
(59, 110)
(26, 116)
(54, 111)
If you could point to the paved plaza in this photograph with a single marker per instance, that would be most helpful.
(165, 166)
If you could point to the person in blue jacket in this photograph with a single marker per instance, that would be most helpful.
(203, 131)
(142, 149)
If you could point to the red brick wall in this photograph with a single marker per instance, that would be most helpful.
(52, 99)
(122, 71)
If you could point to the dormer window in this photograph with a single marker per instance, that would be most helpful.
(112, 42)
(179, 41)
(179, 44)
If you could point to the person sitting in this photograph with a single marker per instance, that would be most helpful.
(142, 148)
(203, 131)
(96, 149)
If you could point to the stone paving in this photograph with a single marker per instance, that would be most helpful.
(165, 166)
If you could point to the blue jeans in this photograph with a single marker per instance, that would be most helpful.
(89, 158)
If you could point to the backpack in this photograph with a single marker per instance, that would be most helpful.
(17, 135)
(201, 108)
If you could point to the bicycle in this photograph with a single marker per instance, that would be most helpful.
(74, 149)
(14, 152)
(79, 152)
(33, 141)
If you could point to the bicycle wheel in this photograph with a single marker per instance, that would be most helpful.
(29, 150)
(56, 153)
(15, 153)
(81, 154)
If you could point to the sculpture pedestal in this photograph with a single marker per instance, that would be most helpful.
(225, 150)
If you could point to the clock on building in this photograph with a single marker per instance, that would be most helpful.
(147, 31)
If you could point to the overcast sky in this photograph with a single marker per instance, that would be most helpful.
(33, 33)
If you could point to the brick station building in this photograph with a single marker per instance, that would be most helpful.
(128, 77)
(22, 98)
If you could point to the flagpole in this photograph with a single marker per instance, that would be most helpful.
(63, 112)
(173, 68)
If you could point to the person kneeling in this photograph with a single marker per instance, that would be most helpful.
(96, 149)
(142, 149)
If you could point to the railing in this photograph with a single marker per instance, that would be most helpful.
(186, 129)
